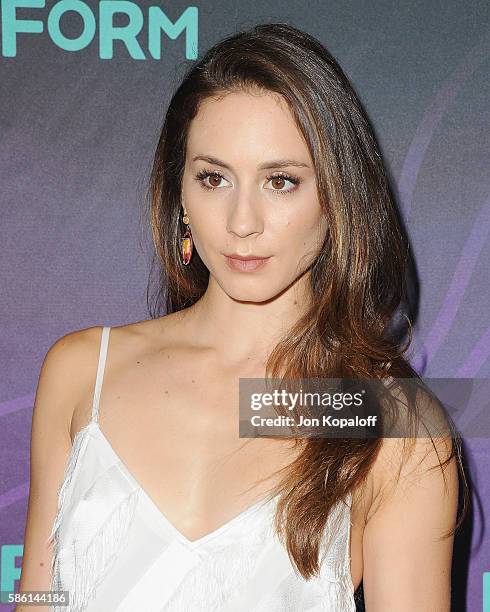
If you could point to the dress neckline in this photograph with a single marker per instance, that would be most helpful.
(161, 516)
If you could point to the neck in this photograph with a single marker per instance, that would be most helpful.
(239, 330)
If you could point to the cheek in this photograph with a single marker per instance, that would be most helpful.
(207, 228)
(303, 227)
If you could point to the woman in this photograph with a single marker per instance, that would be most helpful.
(281, 256)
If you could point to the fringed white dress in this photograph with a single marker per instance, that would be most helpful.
(114, 550)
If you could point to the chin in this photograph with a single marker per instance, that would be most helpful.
(250, 290)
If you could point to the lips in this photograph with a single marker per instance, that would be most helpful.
(245, 263)
(245, 257)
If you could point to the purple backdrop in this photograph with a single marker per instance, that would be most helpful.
(77, 135)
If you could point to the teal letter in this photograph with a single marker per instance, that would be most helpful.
(88, 32)
(486, 591)
(11, 25)
(157, 20)
(10, 573)
(128, 33)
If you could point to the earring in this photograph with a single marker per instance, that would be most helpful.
(187, 242)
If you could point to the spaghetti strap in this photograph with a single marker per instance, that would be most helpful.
(104, 342)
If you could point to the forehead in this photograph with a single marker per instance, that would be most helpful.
(246, 124)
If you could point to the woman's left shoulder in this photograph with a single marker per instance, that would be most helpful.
(420, 470)
(407, 539)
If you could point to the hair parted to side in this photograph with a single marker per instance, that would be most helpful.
(357, 281)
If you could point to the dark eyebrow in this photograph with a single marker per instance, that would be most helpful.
(277, 163)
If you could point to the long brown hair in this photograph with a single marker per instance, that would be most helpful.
(358, 280)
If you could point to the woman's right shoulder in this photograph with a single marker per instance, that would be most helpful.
(72, 359)
(72, 352)
(67, 370)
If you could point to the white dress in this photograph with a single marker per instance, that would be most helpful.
(114, 550)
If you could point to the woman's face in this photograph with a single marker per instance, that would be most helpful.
(249, 189)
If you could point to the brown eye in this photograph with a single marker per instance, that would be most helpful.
(278, 182)
(216, 178)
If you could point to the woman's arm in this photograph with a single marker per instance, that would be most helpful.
(64, 370)
(406, 568)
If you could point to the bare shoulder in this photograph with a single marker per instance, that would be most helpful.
(70, 348)
(402, 463)
(427, 458)
(407, 540)
(68, 371)
(67, 368)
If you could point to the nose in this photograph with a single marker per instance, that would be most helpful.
(244, 216)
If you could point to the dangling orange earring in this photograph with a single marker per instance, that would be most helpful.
(187, 242)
